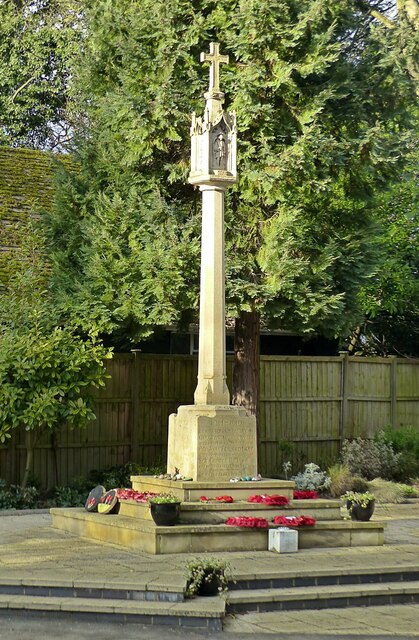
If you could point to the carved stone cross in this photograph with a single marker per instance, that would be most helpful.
(215, 59)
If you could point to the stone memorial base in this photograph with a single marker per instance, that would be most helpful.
(212, 441)
(202, 526)
(190, 491)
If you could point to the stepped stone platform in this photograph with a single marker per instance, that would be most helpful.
(189, 491)
(48, 572)
(202, 526)
(217, 513)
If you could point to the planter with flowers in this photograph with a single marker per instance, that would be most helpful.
(165, 509)
(360, 505)
(207, 577)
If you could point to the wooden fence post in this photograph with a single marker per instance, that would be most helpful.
(393, 391)
(344, 397)
(135, 402)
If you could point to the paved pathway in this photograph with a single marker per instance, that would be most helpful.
(31, 549)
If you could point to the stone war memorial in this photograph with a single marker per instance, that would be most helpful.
(224, 503)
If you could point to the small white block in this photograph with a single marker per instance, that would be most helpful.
(283, 540)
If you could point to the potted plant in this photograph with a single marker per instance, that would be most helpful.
(360, 505)
(165, 509)
(207, 576)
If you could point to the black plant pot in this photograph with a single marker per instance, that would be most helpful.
(362, 514)
(209, 587)
(165, 514)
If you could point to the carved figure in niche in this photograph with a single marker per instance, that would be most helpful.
(220, 152)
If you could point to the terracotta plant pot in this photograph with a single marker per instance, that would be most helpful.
(362, 514)
(165, 514)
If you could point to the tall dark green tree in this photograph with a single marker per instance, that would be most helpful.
(37, 40)
(390, 299)
(321, 96)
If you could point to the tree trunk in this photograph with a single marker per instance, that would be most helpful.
(30, 444)
(246, 361)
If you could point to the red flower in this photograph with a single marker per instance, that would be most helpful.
(138, 496)
(255, 498)
(247, 521)
(217, 499)
(305, 495)
(274, 500)
(297, 521)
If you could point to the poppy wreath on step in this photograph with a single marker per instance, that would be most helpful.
(296, 521)
(274, 500)
(247, 521)
(305, 495)
(227, 499)
(138, 496)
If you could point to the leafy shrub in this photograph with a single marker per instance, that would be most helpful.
(14, 496)
(341, 480)
(68, 497)
(371, 458)
(405, 441)
(119, 476)
(408, 491)
(312, 479)
(360, 485)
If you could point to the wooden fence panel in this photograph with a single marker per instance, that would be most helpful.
(300, 409)
(307, 407)
(407, 392)
(162, 383)
(369, 396)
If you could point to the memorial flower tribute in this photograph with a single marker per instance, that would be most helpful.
(305, 495)
(226, 499)
(248, 522)
(138, 496)
(274, 500)
(296, 521)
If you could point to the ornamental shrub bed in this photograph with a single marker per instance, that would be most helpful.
(13, 496)
(371, 458)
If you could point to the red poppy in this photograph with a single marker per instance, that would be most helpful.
(138, 496)
(305, 495)
(274, 500)
(297, 521)
(247, 521)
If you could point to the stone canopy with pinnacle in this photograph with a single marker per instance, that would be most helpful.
(213, 135)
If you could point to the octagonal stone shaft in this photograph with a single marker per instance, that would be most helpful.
(212, 388)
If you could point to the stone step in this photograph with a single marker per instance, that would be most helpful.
(138, 534)
(204, 613)
(191, 491)
(322, 597)
(217, 513)
(328, 577)
(88, 589)
(171, 589)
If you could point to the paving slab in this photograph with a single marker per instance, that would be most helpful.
(32, 551)
(395, 621)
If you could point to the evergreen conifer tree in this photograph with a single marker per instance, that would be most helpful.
(321, 95)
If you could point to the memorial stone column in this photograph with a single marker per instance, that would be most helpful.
(211, 439)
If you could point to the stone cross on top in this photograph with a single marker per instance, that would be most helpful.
(215, 59)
